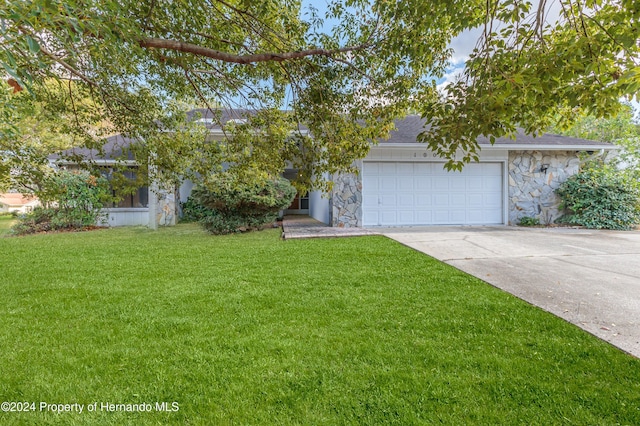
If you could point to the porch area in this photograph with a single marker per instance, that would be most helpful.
(303, 226)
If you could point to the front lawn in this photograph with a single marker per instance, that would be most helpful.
(249, 329)
(6, 221)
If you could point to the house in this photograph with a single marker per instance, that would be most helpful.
(400, 182)
(139, 208)
(16, 202)
(153, 206)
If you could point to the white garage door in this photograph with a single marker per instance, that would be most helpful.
(396, 194)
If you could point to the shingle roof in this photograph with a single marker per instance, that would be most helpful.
(407, 130)
(114, 148)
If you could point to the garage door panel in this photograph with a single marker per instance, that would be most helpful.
(441, 183)
(372, 169)
(422, 183)
(475, 200)
(475, 216)
(458, 200)
(406, 200)
(388, 218)
(475, 184)
(441, 217)
(387, 200)
(370, 216)
(423, 217)
(405, 193)
(458, 183)
(388, 169)
(489, 182)
(405, 169)
(388, 184)
(457, 216)
(440, 200)
(494, 169)
(405, 183)
(492, 200)
(371, 183)
(406, 217)
(423, 200)
(423, 169)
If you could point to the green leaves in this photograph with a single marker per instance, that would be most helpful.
(534, 74)
(346, 76)
(601, 196)
(228, 203)
(34, 47)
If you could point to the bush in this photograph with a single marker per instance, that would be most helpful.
(529, 221)
(237, 205)
(601, 197)
(73, 200)
(39, 220)
(192, 211)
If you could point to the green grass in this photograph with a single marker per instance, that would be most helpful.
(249, 329)
(6, 221)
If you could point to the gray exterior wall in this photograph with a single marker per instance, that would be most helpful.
(533, 178)
(319, 207)
(125, 217)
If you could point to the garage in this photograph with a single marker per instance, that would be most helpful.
(424, 193)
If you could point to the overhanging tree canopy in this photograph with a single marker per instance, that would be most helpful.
(346, 74)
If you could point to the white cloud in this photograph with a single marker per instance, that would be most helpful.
(451, 76)
(464, 43)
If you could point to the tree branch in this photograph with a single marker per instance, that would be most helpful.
(157, 43)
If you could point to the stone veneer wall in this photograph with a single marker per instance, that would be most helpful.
(166, 210)
(346, 199)
(531, 190)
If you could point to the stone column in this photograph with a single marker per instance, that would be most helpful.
(346, 199)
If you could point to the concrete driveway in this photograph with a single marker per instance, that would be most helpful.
(590, 278)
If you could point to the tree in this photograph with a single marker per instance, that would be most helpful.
(621, 130)
(346, 74)
(615, 129)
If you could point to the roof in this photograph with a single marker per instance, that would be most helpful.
(116, 147)
(216, 119)
(407, 130)
(15, 199)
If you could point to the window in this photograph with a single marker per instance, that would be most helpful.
(301, 202)
(139, 198)
(136, 199)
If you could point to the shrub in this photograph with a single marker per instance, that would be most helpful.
(73, 200)
(39, 220)
(601, 197)
(529, 221)
(192, 211)
(242, 204)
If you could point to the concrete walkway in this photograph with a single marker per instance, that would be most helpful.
(590, 278)
(299, 226)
